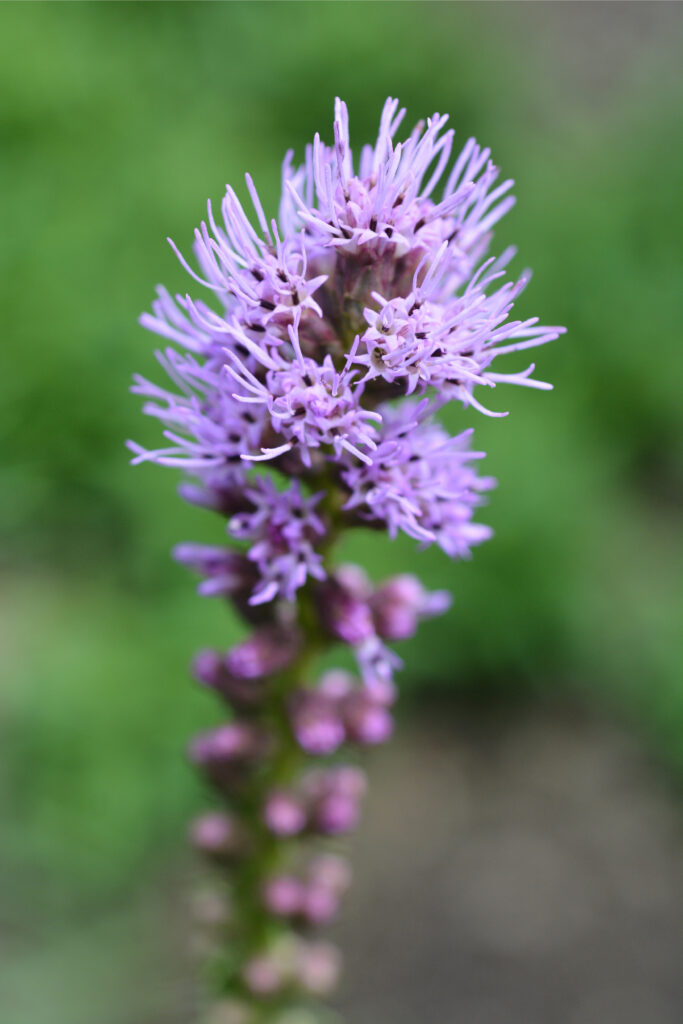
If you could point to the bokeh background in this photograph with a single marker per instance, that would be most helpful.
(521, 859)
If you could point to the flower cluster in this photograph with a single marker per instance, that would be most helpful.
(303, 401)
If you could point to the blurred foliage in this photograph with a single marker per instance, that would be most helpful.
(117, 121)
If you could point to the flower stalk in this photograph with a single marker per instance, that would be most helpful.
(306, 405)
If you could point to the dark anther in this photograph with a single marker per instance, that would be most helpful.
(389, 232)
(420, 224)
(265, 304)
(373, 223)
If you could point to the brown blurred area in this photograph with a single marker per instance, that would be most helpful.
(513, 867)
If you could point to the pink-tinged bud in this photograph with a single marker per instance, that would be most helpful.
(335, 814)
(316, 723)
(319, 904)
(319, 967)
(268, 651)
(226, 754)
(335, 796)
(354, 580)
(400, 603)
(263, 976)
(284, 896)
(345, 616)
(331, 871)
(367, 721)
(218, 835)
(336, 684)
(234, 742)
(349, 780)
(210, 669)
(345, 779)
(284, 814)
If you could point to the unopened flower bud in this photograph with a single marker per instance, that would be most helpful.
(345, 616)
(268, 651)
(336, 796)
(319, 967)
(284, 895)
(330, 870)
(218, 835)
(209, 668)
(335, 814)
(399, 604)
(284, 814)
(234, 742)
(354, 580)
(263, 975)
(224, 499)
(316, 722)
(336, 684)
(367, 721)
(319, 904)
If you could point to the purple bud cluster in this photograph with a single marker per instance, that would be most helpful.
(331, 339)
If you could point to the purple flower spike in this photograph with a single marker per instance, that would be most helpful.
(305, 379)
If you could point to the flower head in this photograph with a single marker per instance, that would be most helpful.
(373, 285)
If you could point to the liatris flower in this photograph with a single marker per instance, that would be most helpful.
(326, 345)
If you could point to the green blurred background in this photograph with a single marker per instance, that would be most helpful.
(117, 122)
